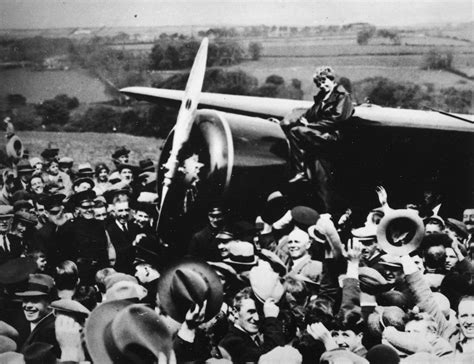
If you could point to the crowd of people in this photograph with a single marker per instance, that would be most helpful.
(85, 278)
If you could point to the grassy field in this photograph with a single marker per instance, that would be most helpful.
(39, 86)
(401, 69)
(91, 147)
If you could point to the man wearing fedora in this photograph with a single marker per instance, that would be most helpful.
(252, 336)
(36, 299)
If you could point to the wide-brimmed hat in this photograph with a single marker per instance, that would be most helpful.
(265, 283)
(120, 286)
(400, 232)
(274, 260)
(120, 331)
(187, 283)
(38, 285)
(17, 270)
(120, 152)
(241, 253)
(372, 281)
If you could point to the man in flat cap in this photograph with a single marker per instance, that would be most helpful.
(313, 134)
(120, 155)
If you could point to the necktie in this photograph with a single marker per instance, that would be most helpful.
(4, 242)
(257, 340)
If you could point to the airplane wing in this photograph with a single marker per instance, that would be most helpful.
(364, 115)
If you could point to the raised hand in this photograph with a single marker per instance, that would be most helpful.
(382, 194)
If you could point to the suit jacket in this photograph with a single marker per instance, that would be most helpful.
(16, 248)
(309, 268)
(122, 242)
(44, 332)
(243, 349)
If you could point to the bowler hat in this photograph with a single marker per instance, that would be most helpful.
(304, 217)
(400, 232)
(38, 285)
(187, 283)
(17, 270)
(123, 332)
(120, 152)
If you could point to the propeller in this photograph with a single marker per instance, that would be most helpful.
(185, 117)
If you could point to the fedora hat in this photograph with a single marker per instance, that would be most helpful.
(274, 260)
(83, 179)
(24, 167)
(372, 281)
(241, 253)
(26, 218)
(17, 270)
(274, 209)
(147, 165)
(190, 282)
(6, 211)
(400, 232)
(265, 283)
(38, 285)
(66, 162)
(123, 332)
(69, 306)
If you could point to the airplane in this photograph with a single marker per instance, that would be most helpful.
(228, 150)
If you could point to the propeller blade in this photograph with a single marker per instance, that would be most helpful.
(185, 117)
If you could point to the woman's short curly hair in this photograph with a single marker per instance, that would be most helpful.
(324, 72)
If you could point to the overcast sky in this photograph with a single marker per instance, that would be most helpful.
(95, 13)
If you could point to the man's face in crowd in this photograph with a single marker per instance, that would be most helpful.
(216, 219)
(298, 243)
(141, 218)
(346, 339)
(41, 262)
(223, 246)
(86, 209)
(468, 218)
(5, 223)
(392, 274)
(368, 247)
(38, 167)
(37, 185)
(55, 214)
(122, 212)
(466, 317)
(10, 183)
(247, 316)
(433, 229)
(100, 213)
(35, 308)
(53, 168)
(41, 213)
(126, 174)
(451, 258)
(123, 159)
